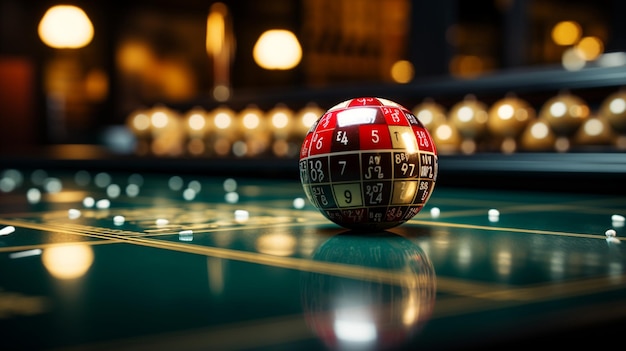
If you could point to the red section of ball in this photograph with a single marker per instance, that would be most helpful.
(368, 164)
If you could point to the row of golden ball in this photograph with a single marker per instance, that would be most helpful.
(222, 132)
(510, 124)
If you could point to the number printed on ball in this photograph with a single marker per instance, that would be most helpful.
(368, 164)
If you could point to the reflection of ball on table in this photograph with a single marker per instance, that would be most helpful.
(358, 310)
(368, 164)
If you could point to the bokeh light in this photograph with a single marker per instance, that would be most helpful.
(402, 71)
(566, 33)
(590, 47)
(277, 49)
(65, 27)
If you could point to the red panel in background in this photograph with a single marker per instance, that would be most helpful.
(17, 103)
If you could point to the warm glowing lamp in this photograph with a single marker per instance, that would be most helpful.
(65, 27)
(277, 49)
(590, 47)
(220, 47)
(566, 33)
(402, 71)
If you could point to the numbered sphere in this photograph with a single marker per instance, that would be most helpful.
(368, 164)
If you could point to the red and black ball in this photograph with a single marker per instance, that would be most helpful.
(368, 164)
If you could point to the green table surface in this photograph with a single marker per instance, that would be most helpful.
(285, 278)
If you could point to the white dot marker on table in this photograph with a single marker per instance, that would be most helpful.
(231, 197)
(89, 202)
(241, 215)
(298, 203)
(618, 220)
(162, 221)
(33, 195)
(7, 230)
(102, 204)
(119, 220)
(185, 235)
(494, 215)
(73, 213)
(189, 194)
(26, 253)
(435, 212)
(610, 233)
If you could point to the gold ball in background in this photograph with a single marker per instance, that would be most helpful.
(595, 131)
(430, 113)
(250, 120)
(196, 128)
(469, 117)
(222, 120)
(254, 131)
(537, 136)
(196, 123)
(281, 120)
(614, 109)
(509, 116)
(284, 128)
(305, 117)
(138, 122)
(447, 138)
(168, 131)
(564, 113)
(507, 119)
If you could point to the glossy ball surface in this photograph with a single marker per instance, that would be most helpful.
(564, 113)
(614, 109)
(430, 113)
(368, 164)
(509, 116)
(470, 117)
(394, 314)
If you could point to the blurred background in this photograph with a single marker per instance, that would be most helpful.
(244, 78)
